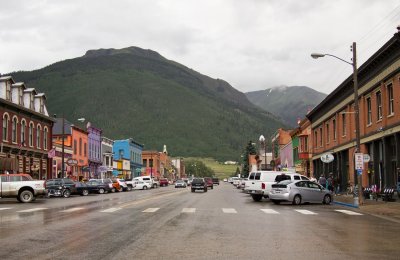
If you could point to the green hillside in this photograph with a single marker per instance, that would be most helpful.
(137, 93)
(289, 103)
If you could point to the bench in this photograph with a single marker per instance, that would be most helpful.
(387, 194)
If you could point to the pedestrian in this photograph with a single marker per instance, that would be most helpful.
(322, 181)
(329, 182)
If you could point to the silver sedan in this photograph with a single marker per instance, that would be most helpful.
(299, 192)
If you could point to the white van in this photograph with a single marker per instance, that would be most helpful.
(146, 179)
(259, 183)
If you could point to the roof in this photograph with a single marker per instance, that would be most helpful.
(5, 78)
(18, 84)
(41, 95)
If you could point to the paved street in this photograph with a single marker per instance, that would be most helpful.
(168, 223)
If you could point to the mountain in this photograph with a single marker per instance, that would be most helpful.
(289, 103)
(138, 93)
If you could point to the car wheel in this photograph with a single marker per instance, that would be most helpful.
(297, 200)
(25, 196)
(129, 188)
(85, 192)
(276, 202)
(113, 190)
(327, 200)
(101, 190)
(257, 197)
(193, 190)
(66, 193)
(145, 187)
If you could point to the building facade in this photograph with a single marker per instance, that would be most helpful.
(94, 145)
(107, 160)
(334, 130)
(130, 150)
(280, 138)
(26, 130)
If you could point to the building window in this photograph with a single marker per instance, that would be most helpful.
(84, 149)
(14, 130)
(334, 129)
(31, 134)
(327, 133)
(38, 132)
(315, 139)
(8, 91)
(5, 127)
(45, 133)
(369, 111)
(390, 99)
(21, 97)
(320, 136)
(80, 146)
(306, 144)
(75, 147)
(379, 105)
(32, 103)
(23, 132)
(343, 124)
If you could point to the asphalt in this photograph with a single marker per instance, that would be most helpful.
(389, 210)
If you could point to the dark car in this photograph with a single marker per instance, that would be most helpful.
(68, 187)
(95, 186)
(198, 184)
(209, 182)
(215, 181)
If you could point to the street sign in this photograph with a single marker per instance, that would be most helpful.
(359, 161)
(327, 158)
(359, 172)
(72, 162)
(366, 158)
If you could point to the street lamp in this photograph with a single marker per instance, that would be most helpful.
(263, 143)
(356, 109)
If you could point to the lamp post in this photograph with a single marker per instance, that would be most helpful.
(263, 143)
(356, 109)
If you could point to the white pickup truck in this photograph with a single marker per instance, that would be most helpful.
(259, 183)
(20, 186)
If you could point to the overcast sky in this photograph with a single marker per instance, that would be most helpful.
(252, 44)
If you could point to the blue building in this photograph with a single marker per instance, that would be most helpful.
(130, 150)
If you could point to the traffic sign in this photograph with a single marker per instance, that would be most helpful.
(359, 161)
(327, 158)
(366, 158)
(359, 171)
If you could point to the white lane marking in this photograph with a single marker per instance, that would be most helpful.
(348, 212)
(4, 208)
(188, 210)
(31, 210)
(270, 211)
(71, 210)
(150, 210)
(110, 210)
(229, 210)
(306, 212)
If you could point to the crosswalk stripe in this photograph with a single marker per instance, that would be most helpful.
(306, 212)
(71, 210)
(188, 210)
(110, 210)
(270, 211)
(150, 210)
(229, 210)
(4, 208)
(31, 210)
(348, 212)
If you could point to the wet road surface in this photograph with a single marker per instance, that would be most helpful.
(168, 223)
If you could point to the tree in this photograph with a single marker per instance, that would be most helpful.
(198, 169)
(250, 150)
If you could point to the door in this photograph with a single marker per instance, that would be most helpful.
(316, 194)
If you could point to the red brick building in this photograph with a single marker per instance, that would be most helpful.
(26, 130)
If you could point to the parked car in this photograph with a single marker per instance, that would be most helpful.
(199, 184)
(141, 185)
(180, 184)
(106, 181)
(149, 180)
(209, 182)
(259, 183)
(163, 182)
(68, 186)
(95, 186)
(120, 185)
(21, 186)
(299, 192)
(215, 181)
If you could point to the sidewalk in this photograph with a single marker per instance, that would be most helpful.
(384, 209)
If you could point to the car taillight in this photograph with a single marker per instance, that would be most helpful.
(263, 186)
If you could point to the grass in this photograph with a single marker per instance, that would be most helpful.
(221, 170)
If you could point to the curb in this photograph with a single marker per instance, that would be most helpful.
(345, 204)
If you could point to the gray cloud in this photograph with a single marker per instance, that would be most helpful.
(251, 44)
